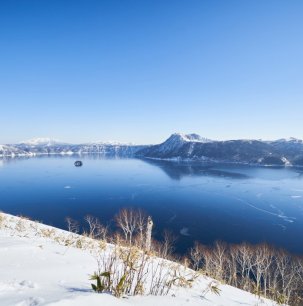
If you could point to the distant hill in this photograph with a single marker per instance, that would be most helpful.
(177, 147)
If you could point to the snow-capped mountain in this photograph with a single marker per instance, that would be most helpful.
(177, 146)
(107, 149)
(110, 143)
(290, 139)
(38, 146)
(10, 150)
(194, 147)
(41, 141)
(188, 138)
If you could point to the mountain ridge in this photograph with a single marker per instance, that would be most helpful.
(281, 152)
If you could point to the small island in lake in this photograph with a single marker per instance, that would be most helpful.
(78, 163)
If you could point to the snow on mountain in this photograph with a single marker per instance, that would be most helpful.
(177, 147)
(193, 137)
(110, 143)
(188, 138)
(193, 147)
(41, 266)
(9, 150)
(290, 139)
(43, 147)
(41, 141)
(177, 140)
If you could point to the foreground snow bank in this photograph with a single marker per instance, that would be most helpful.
(39, 267)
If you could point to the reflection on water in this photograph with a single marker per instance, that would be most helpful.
(177, 170)
(196, 201)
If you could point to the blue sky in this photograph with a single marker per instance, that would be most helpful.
(137, 71)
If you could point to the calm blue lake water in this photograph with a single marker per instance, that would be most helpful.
(197, 202)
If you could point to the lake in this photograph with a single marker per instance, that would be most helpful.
(203, 202)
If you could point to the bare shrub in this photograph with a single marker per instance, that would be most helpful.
(212, 287)
(165, 248)
(2, 220)
(168, 246)
(47, 232)
(196, 254)
(259, 269)
(72, 225)
(20, 225)
(132, 271)
(95, 229)
(132, 222)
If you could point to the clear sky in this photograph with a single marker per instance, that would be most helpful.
(139, 70)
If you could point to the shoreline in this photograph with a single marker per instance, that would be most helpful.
(198, 161)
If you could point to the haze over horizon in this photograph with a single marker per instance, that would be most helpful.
(134, 71)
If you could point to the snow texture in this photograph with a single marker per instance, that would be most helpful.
(39, 270)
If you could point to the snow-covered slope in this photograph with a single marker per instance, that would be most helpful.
(47, 147)
(193, 147)
(189, 138)
(177, 145)
(290, 140)
(9, 150)
(41, 141)
(40, 266)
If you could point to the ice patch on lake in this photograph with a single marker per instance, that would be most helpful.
(67, 187)
(171, 219)
(285, 218)
(282, 226)
(276, 188)
(184, 231)
(296, 196)
(279, 214)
